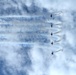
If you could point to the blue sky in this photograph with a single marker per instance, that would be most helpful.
(25, 40)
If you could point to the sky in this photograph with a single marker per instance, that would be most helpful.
(25, 40)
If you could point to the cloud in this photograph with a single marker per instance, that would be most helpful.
(13, 60)
(42, 62)
(57, 4)
(37, 61)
